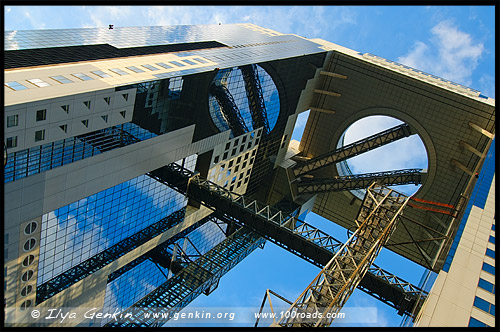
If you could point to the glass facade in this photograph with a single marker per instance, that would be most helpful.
(44, 157)
(84, 228)
(233, 104)
(478, 198)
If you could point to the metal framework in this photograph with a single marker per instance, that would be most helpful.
(98, 261)
(285, 230)
(330, 290)
(229, 109)
(353, 149)
(361, 181)
(198, 276)
(255, 97)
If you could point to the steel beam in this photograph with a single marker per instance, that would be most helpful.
(178, 291)
(353, 149)
(255, 97)
(229, 109)
(360, 181)
(330, 290)
(288, 232)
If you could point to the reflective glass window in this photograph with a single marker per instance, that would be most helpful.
(484, 305)
(135, 69)
(119, 71)
(164, 65)
(490, 253)
(16, 86)
(200, 60)
(476, 323)
(487, 286)
(189, 62)
(150, 67)
(492, 239)
(38, 82)
(82, 76)
(177, 63)
(12, 120)
(100, 73)
(39, 135)
(11, 142)
(41, 115)
(61, 79)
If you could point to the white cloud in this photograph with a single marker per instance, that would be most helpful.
(450, 53)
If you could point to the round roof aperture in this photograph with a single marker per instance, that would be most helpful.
(243, 99)
(405, 153)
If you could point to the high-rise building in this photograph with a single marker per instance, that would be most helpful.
(143, 163)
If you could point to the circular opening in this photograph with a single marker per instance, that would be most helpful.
(27, 275)
(26, 290)
(405, 153)
(243, 99)
(28, 260)
(30, 228)
(25, 305)
(29, 244)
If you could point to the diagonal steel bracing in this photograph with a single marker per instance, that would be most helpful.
(229, 109)
(361, 181)
(255, 97)
(284, 230)
(178, 291)
(322, 300)
(353, 149)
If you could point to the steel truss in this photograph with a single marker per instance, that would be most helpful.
(287, 231)
(330, 290)
(353, 149)
(255, 97)
(229, 109)
(98, 261)
(361, 181)
(198, 276)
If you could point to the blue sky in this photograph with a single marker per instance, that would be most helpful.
(453, 42)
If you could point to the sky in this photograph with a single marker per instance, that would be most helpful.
(452, 42)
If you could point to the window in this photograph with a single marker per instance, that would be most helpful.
(488, 268)
(100, 73)
(11, 142)
(476, 323)
(64, 128)
(85, 123)
(41, 115)
(12, 120)
(484, 305)
(216, 159)
(123, 113)
(492, 239)
(125, 96)
(164, 65)
(178, 64)
(150, 67)
(26, 290)
(61, 79)
(30, 228)
(83, 77)
(493, 227)
(119, 71)
(38, 82)
(105, 118)
(28, 260)
(487, 286)
(135, 69)
(200, 60)
(25, 305)
(107, 100)
(39, 135)
(29, 244)
(189, 62)
(15, 86)
(490, 253)
(65, 108)
(87, 103)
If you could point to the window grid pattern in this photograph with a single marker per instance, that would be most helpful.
(139, 281)
(484, 305)
(234, 85)
(478, 198)
(44, 157)
(80, 230)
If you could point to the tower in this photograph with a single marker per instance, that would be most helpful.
(95, 119)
